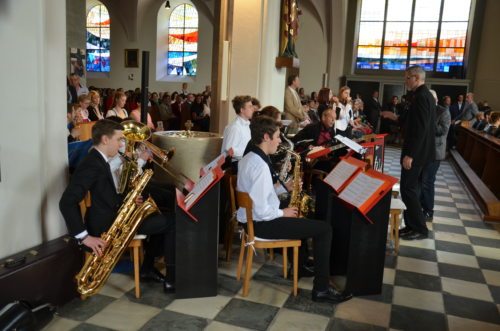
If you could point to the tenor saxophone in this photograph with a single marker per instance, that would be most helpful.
(298, 198)
(97, 269)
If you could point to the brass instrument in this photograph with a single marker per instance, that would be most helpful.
(97, 269)
(298, 198)
(136, 132)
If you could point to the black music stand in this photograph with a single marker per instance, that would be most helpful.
(196, 247)
(358, 246)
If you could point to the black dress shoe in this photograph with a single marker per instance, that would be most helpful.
(414, 236)
(404, 231)
(330, 295)
(152, 275)
(168, 287)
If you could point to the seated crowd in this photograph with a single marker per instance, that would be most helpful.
(165, 111)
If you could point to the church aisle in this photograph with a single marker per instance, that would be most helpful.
(450, 281)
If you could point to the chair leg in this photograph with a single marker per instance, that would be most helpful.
(240, 259)
(396, 233)
(295, 269)
(136, 273)
(248, 271)
(271, 254)
(285, 262)
(229, 240)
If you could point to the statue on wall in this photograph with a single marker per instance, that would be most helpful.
(289, 27)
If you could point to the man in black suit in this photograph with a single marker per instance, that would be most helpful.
(418, 150)
(457, 107)
(372, 110)
(94, 175)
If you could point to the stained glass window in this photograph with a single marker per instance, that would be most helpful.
(394, 34)
(183, 41)
(98, 41)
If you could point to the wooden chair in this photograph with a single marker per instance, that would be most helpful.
(251, 242)
(136, 247)
(397, 206)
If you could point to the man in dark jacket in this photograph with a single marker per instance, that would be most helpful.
(418, 150)
(443, 120)
(372, 110)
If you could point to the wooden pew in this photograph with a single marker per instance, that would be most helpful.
(478, 158)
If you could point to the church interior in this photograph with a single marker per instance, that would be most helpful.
(217, 50)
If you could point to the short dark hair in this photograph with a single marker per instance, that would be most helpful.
(104, 128)
(256, 102)
(270, 111)
(291, 79)
(239, 102)
(261, 125)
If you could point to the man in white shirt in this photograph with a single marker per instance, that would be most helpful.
(237, 133)
(271, 222)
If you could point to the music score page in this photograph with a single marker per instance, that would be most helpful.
(340, 174)
(360, 189)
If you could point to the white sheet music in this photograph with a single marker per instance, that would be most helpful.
(340, 174)
(199, 188)
(351, 144)
(360, 189)
(214, 163)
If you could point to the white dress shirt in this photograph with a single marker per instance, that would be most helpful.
(255, 178)
(345, 116)
(236, 135)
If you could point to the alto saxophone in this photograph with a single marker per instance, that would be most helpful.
(298, 198)
(97, 269)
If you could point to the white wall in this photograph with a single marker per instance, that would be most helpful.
(33, 153)
(147, 41)
(312, 50)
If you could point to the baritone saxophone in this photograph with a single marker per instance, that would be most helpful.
(97, 269)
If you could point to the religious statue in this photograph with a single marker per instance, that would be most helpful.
(289, 27)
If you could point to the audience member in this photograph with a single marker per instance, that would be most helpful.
(95, 112)
(443, 121)
(293, 108)
(76, 87)
(372, 110)
(457, 107)
(118, 106)
(83, 103)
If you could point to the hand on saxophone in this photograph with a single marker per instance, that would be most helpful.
(139, 200)
(290, 212)
(96, 244)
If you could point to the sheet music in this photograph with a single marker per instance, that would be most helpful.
(214, 163)
(351, 144)
(360, 189)
(199, 188)
(342, 172)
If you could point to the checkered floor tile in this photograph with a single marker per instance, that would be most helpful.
(450, 281)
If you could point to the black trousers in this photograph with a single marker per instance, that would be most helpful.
(410, 193)
(160, 229)
(302, 228)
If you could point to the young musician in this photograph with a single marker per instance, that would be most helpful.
(237, 133)
(254, 177)
(94, 175)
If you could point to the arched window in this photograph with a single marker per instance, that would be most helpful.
(98, 32)
(395, 34)
(183, 41)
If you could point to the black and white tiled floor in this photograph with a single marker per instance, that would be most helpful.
(448, 282)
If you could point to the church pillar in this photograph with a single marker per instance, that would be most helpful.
(252, 42)
(336, 25)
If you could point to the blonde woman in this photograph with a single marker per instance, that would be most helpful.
(344, 122)
(118, 106)
(94, 108)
